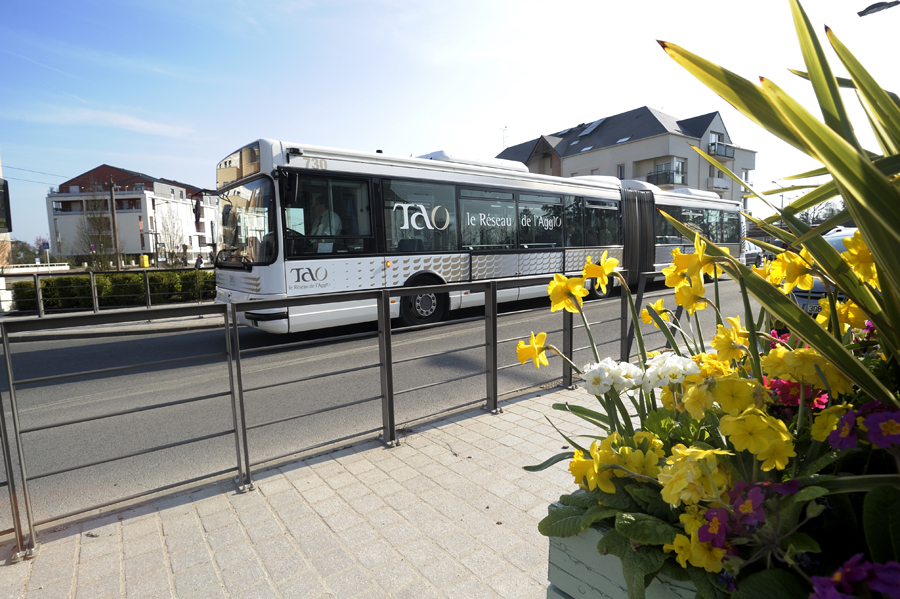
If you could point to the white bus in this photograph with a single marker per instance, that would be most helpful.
(302, 220)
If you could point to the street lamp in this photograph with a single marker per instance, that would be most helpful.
(782, 195)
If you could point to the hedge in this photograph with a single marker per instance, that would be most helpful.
(73, 292)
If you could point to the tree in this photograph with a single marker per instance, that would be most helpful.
(95, 240)
(170, 231)
(822, 212)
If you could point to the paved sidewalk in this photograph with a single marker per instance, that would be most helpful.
(448, 513)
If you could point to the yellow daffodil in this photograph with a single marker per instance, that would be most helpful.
(796, 270)
(675, 278)
(691, 297)
(566, 293)
(600, 271)
(658, 307)
(732, 342)
(534, 350)
(860, 258)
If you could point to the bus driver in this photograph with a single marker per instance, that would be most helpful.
(327, 223)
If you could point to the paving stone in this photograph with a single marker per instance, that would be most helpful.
(242, 575)
(510, 584)
(51, 591)
(212, 505)
(145, 564)
(189, 558)
(132, 531)
(267, 530)
(418, 589)
(261, 590)
(98, 568)
(274, 548)
(194, 579)
(349, 583)
(358, 535)
(255, 515)
(234, 554)
(224, 537)
(470, 588)
(218, 520)
(54, 574)
(305, 586)
(374, 554)
(294, 511)
(173, 525)
(175, 507)
(90, 551)
(393, 576)
(181, 540)
(326, 564)
(420, 552)
(48, 556)
(155, 584)
(316, 544)
(100, 589)
(458, 544)
(286, 566)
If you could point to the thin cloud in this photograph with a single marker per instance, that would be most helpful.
(104, 118)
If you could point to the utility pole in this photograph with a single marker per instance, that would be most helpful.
(115, 226)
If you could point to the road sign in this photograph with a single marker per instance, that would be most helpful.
(45, 245)
(93, 248)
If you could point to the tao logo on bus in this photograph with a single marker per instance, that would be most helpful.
(308, 275)
(420, 219)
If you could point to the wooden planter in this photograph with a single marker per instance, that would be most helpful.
(577, 571)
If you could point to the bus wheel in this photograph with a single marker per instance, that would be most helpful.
(425, 308)
(595, 293)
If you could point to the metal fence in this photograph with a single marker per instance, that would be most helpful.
(239, 390)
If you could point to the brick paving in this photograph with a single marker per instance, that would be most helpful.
(447, 513)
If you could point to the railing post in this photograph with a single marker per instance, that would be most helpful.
(388, 420)
(147, 288)
(94, 293)
(236, 338)
(568, 346)
(31, 550)
(490, 345)
(624, 339)
(7, 463)
(38, 296)
(240, 427)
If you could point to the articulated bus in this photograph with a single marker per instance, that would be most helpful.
(301, 220)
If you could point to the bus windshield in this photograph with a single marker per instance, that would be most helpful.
(248, 224)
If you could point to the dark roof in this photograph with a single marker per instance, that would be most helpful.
(121, 176)
(635, 124)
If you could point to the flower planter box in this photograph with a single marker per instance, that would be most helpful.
(577, 571)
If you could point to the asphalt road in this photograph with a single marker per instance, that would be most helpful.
(269, 394)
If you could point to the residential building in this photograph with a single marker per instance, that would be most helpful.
(643, 144)
(151, 214)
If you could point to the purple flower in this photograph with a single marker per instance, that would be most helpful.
(844, 436)
(787, 488)
(749, 509)
(714, 532)
(884, 428)
(885, 578)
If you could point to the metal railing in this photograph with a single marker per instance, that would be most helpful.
(238, 387)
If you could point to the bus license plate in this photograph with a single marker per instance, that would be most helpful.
(813, 308)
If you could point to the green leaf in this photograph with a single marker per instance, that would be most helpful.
(652, 502)
(821, 77)
(772, 584)
(614, 543)
(703, 581)
(826, 460)
(620, 499)
(596, 514)
(881, 522)
(645, 529)
(639, 566)
(591, 416)
(800, 542)
(673, 570)
(562, 521)
(580, 498)
(808, 493)
(560, 457)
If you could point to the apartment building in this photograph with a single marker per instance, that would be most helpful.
(153, 215)
(643, 144)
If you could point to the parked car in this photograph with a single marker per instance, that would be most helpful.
(809, 300)
(752, 255)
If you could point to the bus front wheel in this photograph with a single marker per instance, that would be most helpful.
(424, 308)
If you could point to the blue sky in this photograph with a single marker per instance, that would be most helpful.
(169, 88)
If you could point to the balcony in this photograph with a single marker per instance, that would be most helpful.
(719, 184)
(666, 178)
(721, 149)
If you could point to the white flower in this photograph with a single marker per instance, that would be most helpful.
(598, 378)
(626, 376)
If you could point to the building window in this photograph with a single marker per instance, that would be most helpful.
(139, 187)
(715, 172)
(620, 171)
(745, 176)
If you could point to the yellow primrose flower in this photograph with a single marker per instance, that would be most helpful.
(704, 555)
(600, 271)
(646, 464)
(826, 421)
(730, 343)
(682, 548)
(582, 467)
(734, 394)
(860, 258)
(658, 306)
(746, 431)
(533, 351)
(566, 293)
(654, 442)
(776, 455)
(692, 518)
(691, 298)
(697, 400)
(773, 363)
